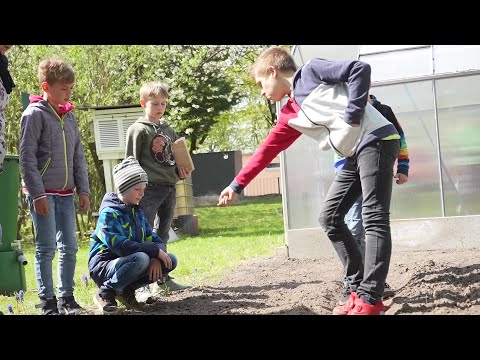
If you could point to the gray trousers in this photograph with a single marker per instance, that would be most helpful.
(158, 205)
(369, 174)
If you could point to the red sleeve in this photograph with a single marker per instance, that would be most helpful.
(279, 139)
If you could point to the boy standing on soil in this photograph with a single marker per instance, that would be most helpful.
(328, 102)
(53, 165)
(149, 140)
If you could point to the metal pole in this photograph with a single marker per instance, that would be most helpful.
(437, 129)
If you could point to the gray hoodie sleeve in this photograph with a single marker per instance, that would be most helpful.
(80, 173)
(134, 141)
(355, 73)
(30, 132)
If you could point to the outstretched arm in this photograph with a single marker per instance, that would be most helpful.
(279, 139)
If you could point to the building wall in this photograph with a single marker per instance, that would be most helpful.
(266, 182)
(214, 171)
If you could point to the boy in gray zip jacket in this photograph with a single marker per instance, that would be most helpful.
(328, 102)
(53, 165)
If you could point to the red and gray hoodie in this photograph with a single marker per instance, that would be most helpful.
(51, 152)
(328, 98)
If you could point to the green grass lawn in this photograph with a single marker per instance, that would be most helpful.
(227, 236)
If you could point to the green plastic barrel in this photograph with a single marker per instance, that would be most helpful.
(12, 274)
(9, 184)
(12, 271)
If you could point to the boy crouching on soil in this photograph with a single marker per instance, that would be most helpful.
(124, 252)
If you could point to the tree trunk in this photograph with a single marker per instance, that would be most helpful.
(98, 164)
(273, 112)
(22, 212)
(193, 143)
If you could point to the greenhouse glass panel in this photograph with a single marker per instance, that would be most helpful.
(368, 49)
(453, 58)
(459, 124)
(308, 175)
(400, 64)
(412, 104)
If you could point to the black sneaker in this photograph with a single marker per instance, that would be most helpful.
(106, 302)
(127, 298)
(48, 306)
(388, 292)
(344, 297)
(68, 306)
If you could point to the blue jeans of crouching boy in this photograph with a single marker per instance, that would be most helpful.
(130, 271)
(158, 205)
(370, 173)
(55, 231)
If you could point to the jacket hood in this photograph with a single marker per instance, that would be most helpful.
(63, 109)
(162, 124)
(112, 200)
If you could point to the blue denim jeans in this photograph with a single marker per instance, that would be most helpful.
(368, 174)
(55, 230)
(158, 205)
(130, 271)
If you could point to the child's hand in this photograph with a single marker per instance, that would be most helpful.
(183, 173)
(162, 255)
(41, 206)
(227, 197)
(401, 178)
(154, 270)
(84, 202)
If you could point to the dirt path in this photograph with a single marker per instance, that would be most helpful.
(427, 282)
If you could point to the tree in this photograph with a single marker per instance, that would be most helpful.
(202, 86)
(245, 125)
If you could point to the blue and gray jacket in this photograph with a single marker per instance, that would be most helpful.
(121, 230)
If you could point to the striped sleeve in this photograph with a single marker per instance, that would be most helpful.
(403, 162)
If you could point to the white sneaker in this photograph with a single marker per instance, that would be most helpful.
(143, 295)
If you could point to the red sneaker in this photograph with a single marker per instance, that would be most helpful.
(362, 308)
(348, 306)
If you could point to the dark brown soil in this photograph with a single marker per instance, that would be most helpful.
(426, 282)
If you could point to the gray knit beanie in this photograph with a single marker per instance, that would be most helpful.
(128, 174)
